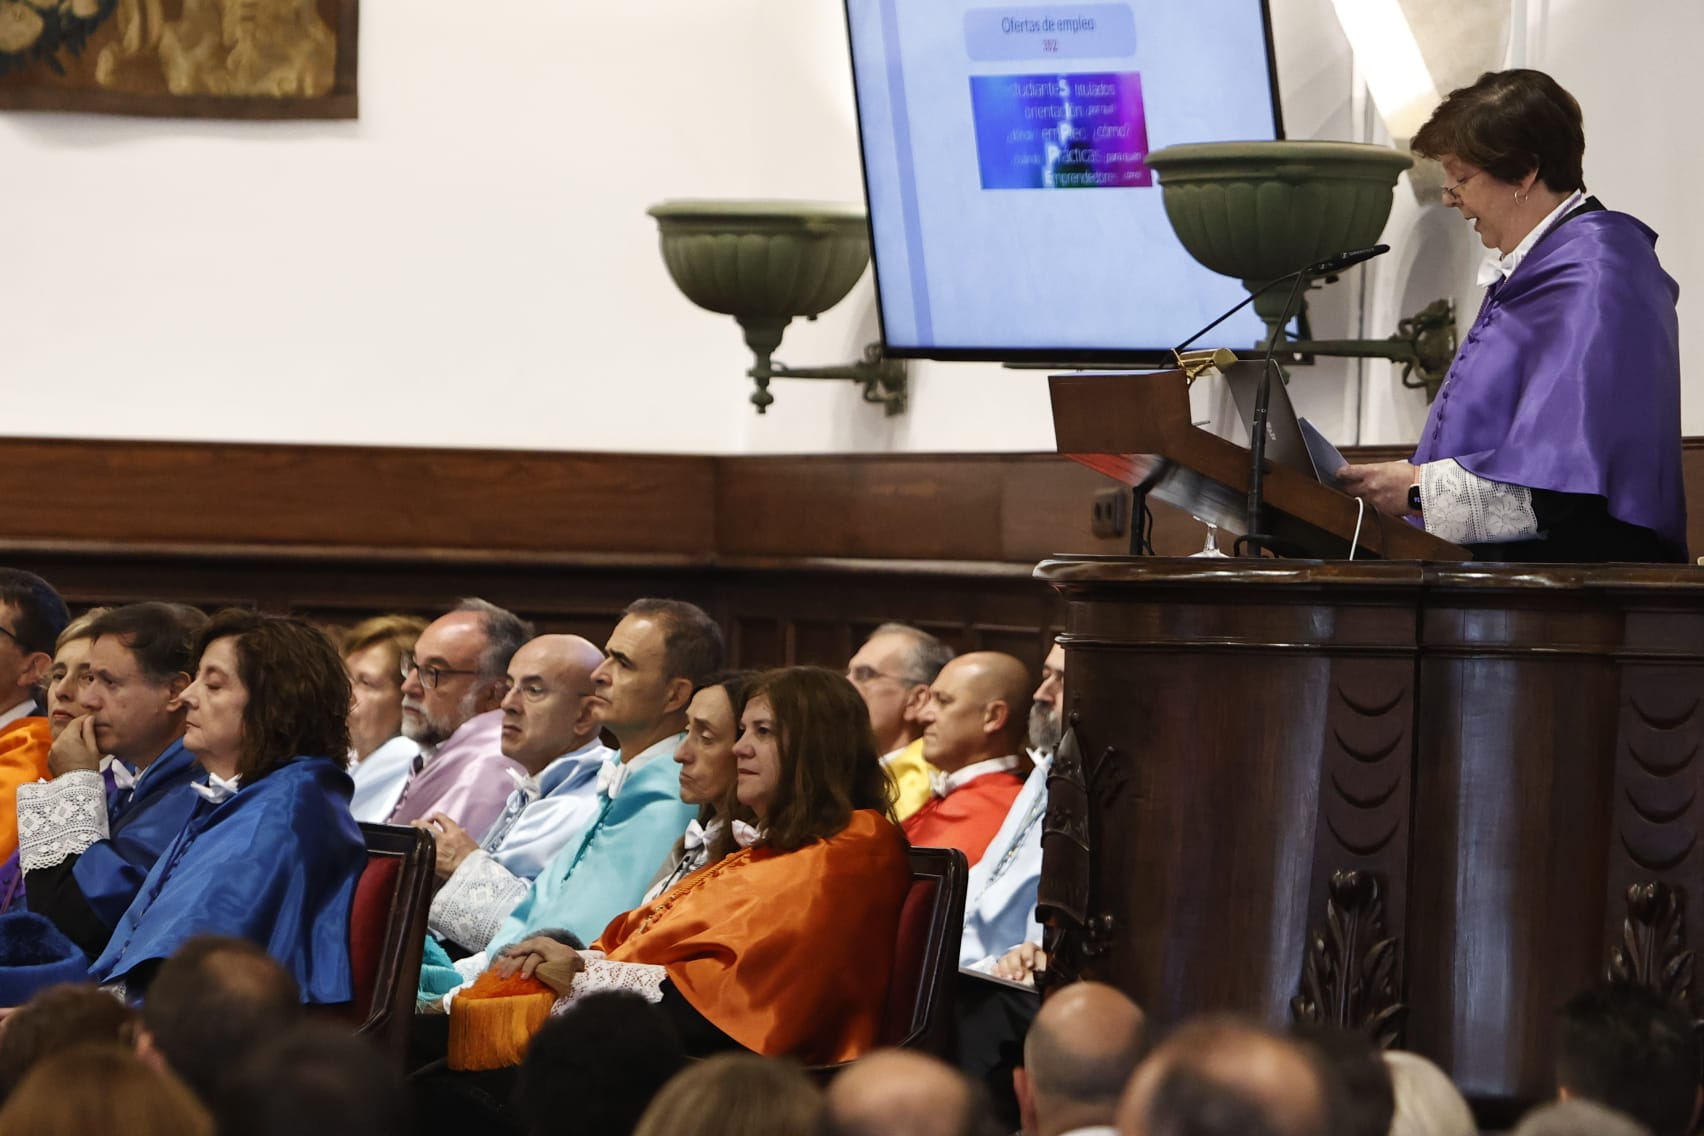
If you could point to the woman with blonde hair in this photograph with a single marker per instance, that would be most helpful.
(102, 1090)
(734, 1094)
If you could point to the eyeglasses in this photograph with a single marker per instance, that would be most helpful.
(429, 675)
(860, 675)
(16, 640)
(1452, 193)
(530, 692)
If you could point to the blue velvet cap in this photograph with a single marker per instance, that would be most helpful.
(34, 955)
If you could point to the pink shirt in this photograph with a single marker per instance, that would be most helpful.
(465, 779)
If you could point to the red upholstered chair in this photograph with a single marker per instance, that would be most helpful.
(919, 1011)
(387, 932)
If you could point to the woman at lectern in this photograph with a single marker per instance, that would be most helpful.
(1556, 434)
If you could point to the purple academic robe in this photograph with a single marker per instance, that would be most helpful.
(465, 780)
(1570, 378)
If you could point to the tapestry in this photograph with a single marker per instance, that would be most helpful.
(190, 58)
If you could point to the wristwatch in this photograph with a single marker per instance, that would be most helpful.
(1414, 498)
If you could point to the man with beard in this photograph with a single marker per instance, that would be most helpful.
(452, 692)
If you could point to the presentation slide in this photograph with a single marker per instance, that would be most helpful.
(972, 116)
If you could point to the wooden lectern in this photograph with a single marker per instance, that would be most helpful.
(1429, 801)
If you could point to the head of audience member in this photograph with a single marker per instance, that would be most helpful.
(210, 1004)
(547, 707)
(70, 670)
(1578, 1118)
(978, 709)
(1426, 1101)
(660, 652)
(806, 757)
(892, 671)
(267, 689)
(735, 1094)
(900, 1092)
(594, 1070)
(1047, 704)
(57, 1019)
(706, 755)
(102, 1089)
(459, 670)
(1626, 1046)
(1223, 1076)
(140, 661)
(373, 651)
(315, 1078)
(1080, 1052)
(31, 617)
(1365, 1100)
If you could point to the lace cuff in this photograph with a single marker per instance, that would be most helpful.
(641, 978)
(1468, 509)
(60, 818)
(474, 901)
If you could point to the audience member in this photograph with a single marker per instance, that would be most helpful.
(64, 685)
(102, 1090)
(659, 653)
(892, 671)
(1578, 1117)
(551, 729)
(31, 617)
(999, 909)
(707, 776)
(83, 875)
(380, 754)
(974, 729)
(594, 1070)
(270, 853)
(1081, 1050)
(314, 1080)
(210, 1004)
(733, 954)
(1426, 1102)
(452, 686)
(735, 1094)
(899, 1092)
(57, 1019)
(1629, 1048)
(1365, 1100)
(1222, 1076)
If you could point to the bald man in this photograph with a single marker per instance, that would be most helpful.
(900, 1092)
(1080, 1053)
(974, 729)
(550, 728)
(1224, 1075)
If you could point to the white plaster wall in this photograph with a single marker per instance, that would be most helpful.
(470, 263)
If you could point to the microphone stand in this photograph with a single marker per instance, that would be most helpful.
(1253, 539)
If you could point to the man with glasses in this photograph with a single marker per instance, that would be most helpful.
(452, 687)
(892, 671)
(87, 843)
(31, 617)
(551, 728)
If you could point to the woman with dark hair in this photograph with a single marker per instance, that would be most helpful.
(270, 853)
(1556, 435)
(782, 947)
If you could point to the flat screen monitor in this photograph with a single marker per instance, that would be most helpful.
(1012, 213)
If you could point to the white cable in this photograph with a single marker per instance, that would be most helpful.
(1360, 512)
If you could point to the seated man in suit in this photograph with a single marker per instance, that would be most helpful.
(85, 851)
(550, 727)
(451, 688)
(974, 729)
(31, 617)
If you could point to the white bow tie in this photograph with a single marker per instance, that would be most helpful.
(217, 788)
(612, 774)
(122, 778)
(745, 835)
(699, 836)
(525, 783)
(940, 783)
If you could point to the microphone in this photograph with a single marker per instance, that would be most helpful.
(1330, 266)
(1252, 537)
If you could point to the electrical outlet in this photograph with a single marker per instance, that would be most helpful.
(1110, 514)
